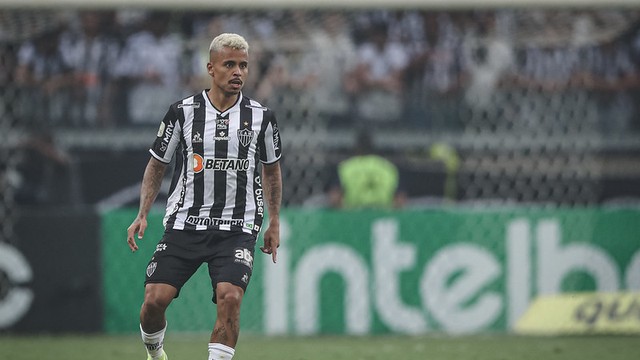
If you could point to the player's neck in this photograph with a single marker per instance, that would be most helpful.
(221, 100)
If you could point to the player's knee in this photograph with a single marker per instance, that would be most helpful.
(230, 299)
(155, 303)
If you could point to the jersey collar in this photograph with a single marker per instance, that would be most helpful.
(231, 109)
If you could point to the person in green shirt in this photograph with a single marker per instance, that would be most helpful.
(366, 180)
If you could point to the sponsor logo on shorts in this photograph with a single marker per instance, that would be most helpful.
(151, 268)
(245, 278)
(243, 256)
(161, 247)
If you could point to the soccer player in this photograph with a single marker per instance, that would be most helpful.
(216, 203)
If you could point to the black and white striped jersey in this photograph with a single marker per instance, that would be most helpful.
(216, 183)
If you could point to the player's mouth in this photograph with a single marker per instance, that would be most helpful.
(236, 82)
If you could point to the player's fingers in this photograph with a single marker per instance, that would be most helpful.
(132, 243)
(141, 231)
(130, 230)
(274, 255)
(265, 249)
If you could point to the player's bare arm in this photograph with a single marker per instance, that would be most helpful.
(151, 182)
(273, 194)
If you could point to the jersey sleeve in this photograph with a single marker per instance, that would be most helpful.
(271, 146)
(168, 137)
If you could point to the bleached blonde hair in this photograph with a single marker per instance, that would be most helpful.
(233, 41)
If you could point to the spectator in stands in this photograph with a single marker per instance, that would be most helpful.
(487, 56)
(366, 180)
(202, 32)
(288, 77)
(91, 53)
(150, 68)
(376, 81)
(540, 72)
(610, 72)
(330, 54)
(44, 78)
(435, 77)
(546, 67)
(407, 27)
(283, 81)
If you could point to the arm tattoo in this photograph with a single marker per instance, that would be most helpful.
(273, 188)
(275, 194)
(151, 182)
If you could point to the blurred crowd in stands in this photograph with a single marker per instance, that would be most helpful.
(431, 70)
(529, 82)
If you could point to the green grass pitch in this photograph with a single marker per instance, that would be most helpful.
(193, 347)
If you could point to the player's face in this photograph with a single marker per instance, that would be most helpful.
(228, 69)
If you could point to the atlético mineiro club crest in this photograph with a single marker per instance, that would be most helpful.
(151, 268)
(245, 136)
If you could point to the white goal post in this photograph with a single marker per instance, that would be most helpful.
(337, 4)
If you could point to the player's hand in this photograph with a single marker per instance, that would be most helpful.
(271, 242)
(136, 228)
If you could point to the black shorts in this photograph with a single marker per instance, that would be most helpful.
(180, 253)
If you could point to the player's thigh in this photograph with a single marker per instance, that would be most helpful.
(177, 257)
(233, 261)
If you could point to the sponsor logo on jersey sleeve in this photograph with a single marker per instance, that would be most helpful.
(195, 105)
(168, 131)
(161, 129)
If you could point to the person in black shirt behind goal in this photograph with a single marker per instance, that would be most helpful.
(217, 198)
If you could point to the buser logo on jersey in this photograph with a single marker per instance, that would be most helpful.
(200, 163)
(259, 202)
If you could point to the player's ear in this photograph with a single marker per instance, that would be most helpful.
(210, 68)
